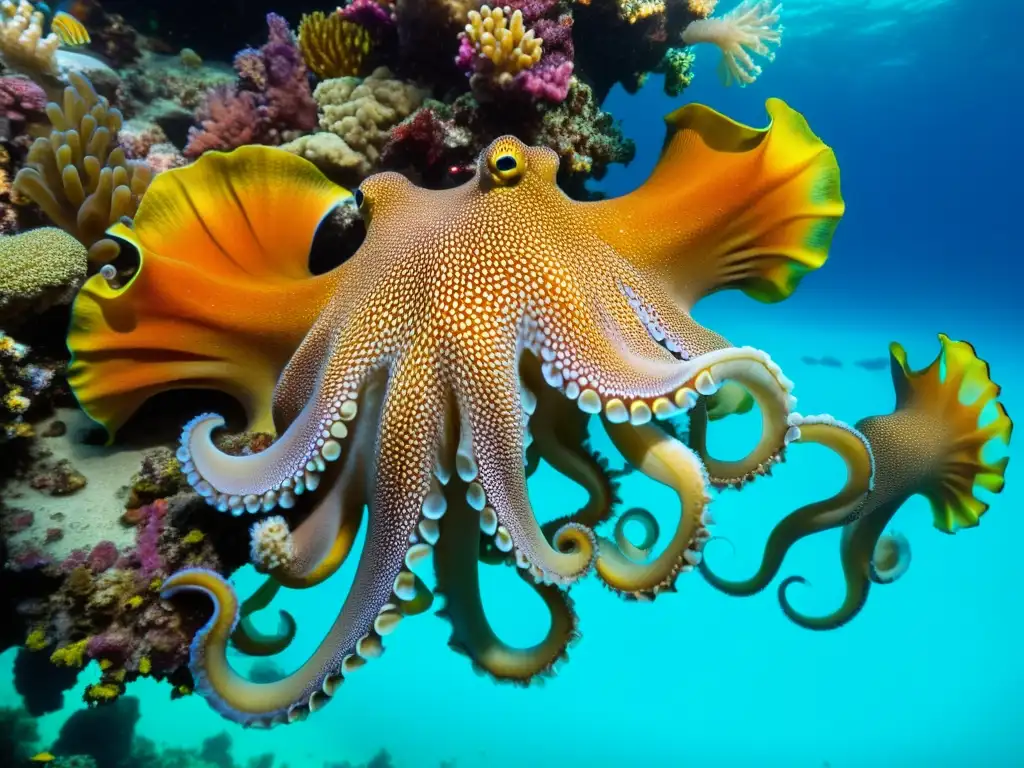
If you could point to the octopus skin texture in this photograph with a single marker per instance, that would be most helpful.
(477, 331)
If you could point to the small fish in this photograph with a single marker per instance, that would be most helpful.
(42, 757)
(68, 29)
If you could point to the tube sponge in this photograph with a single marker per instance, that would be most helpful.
(78, 175)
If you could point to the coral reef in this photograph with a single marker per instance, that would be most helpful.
(23, 45)
(116, 723)
(21, 381)
(21, 101)
(78, 175)
(271, 103)
(356, 117)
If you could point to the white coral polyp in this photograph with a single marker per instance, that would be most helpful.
(746, 31)
(271, 543)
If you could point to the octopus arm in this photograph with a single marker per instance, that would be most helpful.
(384, 580)
(819, 516)
(729, 206)
(933, 444)
(222, 296)
(456, 567)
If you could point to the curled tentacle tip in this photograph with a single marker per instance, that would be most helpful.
(637, 552)
(891, 558)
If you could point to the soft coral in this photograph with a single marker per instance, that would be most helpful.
(748, 28)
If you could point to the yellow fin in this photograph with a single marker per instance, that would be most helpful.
(69, 30)
(730, 206)
(950, 394)
(223, 295)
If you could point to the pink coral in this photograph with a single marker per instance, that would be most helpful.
(163, 157)
(229, 119)
(371, 15)
(137, 137)
(549, 80)
(147, 545)
(289, 100)
(21, 99)
(102, 556)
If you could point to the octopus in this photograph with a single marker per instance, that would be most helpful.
(476, 332)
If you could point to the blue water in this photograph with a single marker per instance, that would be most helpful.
(917, 100)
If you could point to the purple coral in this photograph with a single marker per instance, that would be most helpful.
(288, 98)
(147, 544)
(114, 645)
(371, 15)
(272, 99)
(21, 99)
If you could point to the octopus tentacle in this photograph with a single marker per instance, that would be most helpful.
(932, 444)
(771, 390)
(402, 480)
(666, 460)
(560, 436)
(252, 641)
(290, 466)
(855, 452)
(494, 470)
(456, 567)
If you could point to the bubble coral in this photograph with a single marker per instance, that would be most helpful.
(22, 42)
(747, 29)
(333, 46)
(78, 175)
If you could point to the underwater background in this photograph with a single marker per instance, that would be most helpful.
(916, 100)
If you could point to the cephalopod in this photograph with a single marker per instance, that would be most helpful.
(932, 444)
(405, 385)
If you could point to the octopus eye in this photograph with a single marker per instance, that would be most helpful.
(360, 198)
(506, 162)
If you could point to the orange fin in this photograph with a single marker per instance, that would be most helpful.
(729, 206)
(223, 295)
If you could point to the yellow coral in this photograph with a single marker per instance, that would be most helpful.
(22, 43)
(635, 10)
(702, 8)
(501, 36)
(145, 665)
(102, 692)
(106, 664)
(332, 46)
(70, 655)
(36, 640)
(194, 536)
(133, 602)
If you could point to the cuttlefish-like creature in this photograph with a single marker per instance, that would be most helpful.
(408, 383)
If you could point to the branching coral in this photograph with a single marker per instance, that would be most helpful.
(496, 46)
(332, 46)
(271, 103)
(748, 29)
(21, 100)
(79, 176)
(677, 66)
(22, 42)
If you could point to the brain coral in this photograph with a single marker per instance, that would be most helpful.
(38, 268)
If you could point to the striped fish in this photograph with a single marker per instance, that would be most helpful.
(68, 29)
